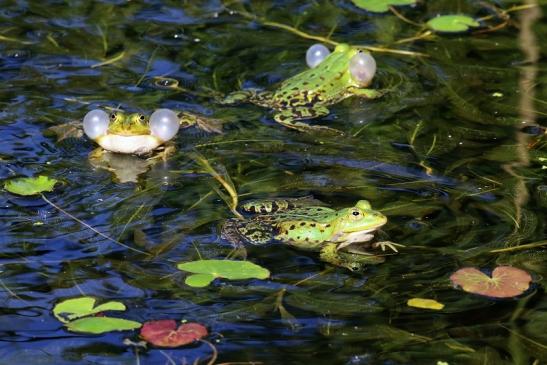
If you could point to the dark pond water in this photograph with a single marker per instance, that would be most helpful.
(451, 155)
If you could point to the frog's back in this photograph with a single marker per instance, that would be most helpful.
(314, 86)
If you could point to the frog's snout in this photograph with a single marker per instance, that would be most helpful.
(382, 219)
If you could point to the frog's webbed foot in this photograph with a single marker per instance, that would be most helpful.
(209, 125)
(366, 93)
(289, 118)
(162, 153)
(383, 244)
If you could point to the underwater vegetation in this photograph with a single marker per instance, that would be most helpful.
(248, 182)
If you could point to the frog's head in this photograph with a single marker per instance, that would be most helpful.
(134, 124)
(360, 218)
(132, 133)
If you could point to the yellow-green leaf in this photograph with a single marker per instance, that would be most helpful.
(380, 6)
(425, 303)
(30, 185)
(207, 270)
(97, 325)
(74, 308)
(452, 23)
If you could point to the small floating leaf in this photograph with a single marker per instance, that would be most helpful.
(506, 281)
(452, 23)
(97, 325)
(425, 303)
(199, 280)
(208, 270)
(164, 333)
(380, 6)
(30, 185)
(74, 308)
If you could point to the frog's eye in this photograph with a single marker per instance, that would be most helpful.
(164, 124)
(362, 67)
(96, 123)
(316, 54)
(356, 214)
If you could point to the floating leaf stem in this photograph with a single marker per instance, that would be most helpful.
(325, 40)
(225, 181)
(27, 186)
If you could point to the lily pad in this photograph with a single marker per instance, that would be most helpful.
(207, 270)
(97, 325)
(30, 185)
(424, 303)
(452, 23)
(164, 333)
(71, 309)
(380, 6)
(506, 281)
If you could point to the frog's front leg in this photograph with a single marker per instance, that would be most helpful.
(384, 244)
(209, 125)
(289, 118)
(365, 93)
(352, 261)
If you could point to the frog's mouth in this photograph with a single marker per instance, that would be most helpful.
(138, 145)
(355, 236)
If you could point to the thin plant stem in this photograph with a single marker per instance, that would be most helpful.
(305, 35)
(403, 18)
(109, 61)
(91, 228)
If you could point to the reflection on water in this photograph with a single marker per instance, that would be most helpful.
(441, 154)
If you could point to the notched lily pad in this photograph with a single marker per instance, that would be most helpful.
(71, 309)
(164, 333)
(98, 325)
(506, 281)
(207, 270)
(452, 23)
(30, 185)
(424, 303)
(380, 6)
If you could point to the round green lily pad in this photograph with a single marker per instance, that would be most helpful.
(97, 325)
(207, 270)
(380, 6)
(452, 23)
(30, 185)
(74, 308)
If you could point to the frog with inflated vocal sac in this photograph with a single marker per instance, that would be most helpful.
(343, 73)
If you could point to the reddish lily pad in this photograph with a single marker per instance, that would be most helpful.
(506, 281)
(164, 333)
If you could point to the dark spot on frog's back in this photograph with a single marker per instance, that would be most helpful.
(302, 224)
(292, 227)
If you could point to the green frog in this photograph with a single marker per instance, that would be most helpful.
(136, 133)
(308, 94)
(313, 228)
